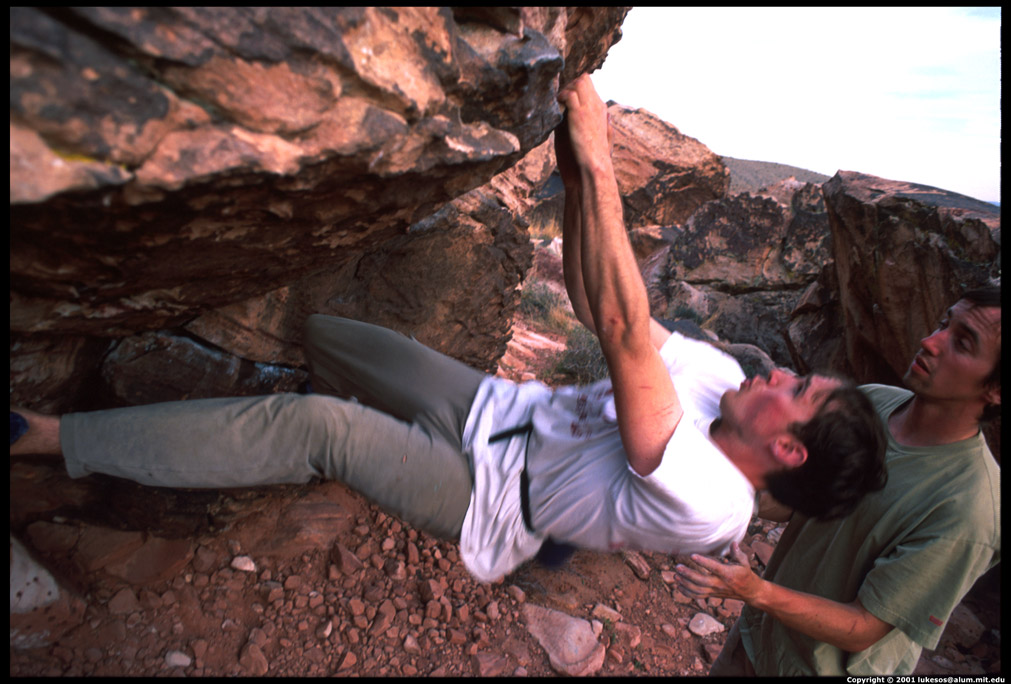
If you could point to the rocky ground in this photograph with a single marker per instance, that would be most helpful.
(315, 581)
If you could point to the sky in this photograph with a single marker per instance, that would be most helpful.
(907, 93)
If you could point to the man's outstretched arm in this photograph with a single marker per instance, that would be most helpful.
(615, 295)
(572, 227)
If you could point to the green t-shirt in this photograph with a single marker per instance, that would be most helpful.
(910, 552)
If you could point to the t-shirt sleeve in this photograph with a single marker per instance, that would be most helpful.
(917, 586)
(701, 373)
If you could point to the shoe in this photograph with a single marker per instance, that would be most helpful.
(19, 426)
(554, 554)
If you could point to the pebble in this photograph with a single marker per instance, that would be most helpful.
(411, 645)
(489, 665)
(704, 624)
(253, 660)
(603, 612)
(349, 661)
(177, 659)
(199, 648)
(124, 602)
(763, 551)
(638, 564)
(570, 642)
(243, 564)
(712, 651)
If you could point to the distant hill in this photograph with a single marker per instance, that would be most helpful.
(750, 176)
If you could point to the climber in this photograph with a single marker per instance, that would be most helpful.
(666, 455)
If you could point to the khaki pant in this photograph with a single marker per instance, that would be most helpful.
(400, 446)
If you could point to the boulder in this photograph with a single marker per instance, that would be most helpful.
(903, 253)
(157, 560)
(845, 278)
(159, 366)
(448, 282)
(51, 373)
(814, 335)
(746, 243)
(312, 521)
(963, 628)
(216, 156)
(743, 262)
(663, 175)
(704, 624)
(755, 318)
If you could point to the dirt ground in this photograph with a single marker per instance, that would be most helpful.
(261, 596)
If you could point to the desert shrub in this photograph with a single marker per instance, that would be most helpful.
(545, 308)
(687, 313)
(582, 360)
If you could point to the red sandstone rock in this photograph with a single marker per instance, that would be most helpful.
(663, 175)
(220, 155)
(157, 560)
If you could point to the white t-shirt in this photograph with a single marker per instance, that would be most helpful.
(582, 489)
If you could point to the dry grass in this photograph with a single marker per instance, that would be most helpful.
(582, 361)
(545, 310)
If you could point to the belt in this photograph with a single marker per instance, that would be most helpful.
(525, 429)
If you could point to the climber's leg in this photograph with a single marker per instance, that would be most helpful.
(277, 439)
(391, 372)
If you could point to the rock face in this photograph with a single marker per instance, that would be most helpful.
(743, 242)
(230, 170)
(845, 277)
(663, 175)
(187, 185)
(903, 252)
(744, 261)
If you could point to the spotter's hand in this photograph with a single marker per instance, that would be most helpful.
(720, 578)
